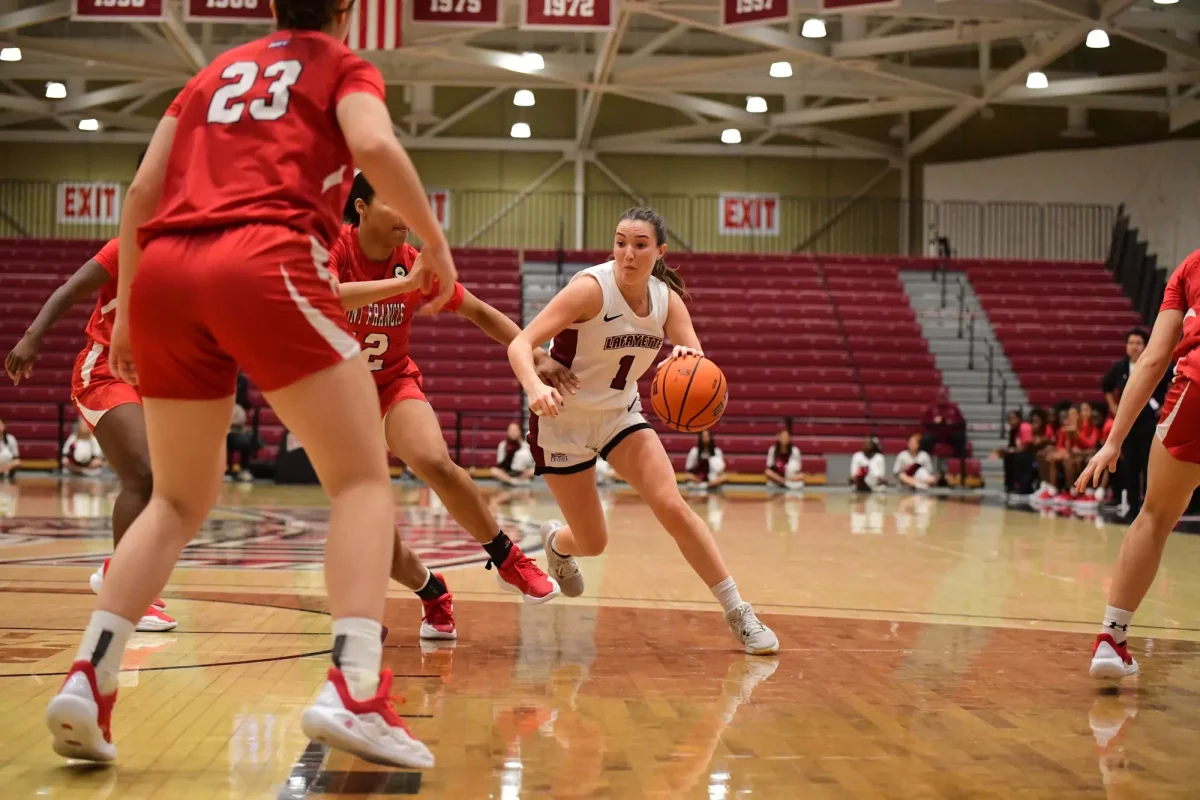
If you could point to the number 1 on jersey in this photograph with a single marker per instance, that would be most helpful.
(618, 382)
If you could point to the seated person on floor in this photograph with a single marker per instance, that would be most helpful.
(514, 461)
(81, 455)
(1020, 458)
(913, 467)
(868, 469)
(10, 453)
(783, 463)
(944, 424)
(705, 464)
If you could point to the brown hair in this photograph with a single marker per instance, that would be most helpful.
(308, 15)
(661, 271)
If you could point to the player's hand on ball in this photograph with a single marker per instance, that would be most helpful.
(1106, 458)
(680, 350)
(552, 373)
(120, 352)
(545, 401)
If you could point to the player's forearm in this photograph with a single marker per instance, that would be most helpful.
(58, 304)
(357, 294)
(391, 172)
(495, 324)
(520, 356)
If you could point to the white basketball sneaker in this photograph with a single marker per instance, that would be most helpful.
(1111, 661)
(758, 639)
(369, 729)
(80, 718)
(563, 569)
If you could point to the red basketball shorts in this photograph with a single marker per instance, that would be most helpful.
(1179, 422)
(258, 296)
(94, 389)
(407, 386)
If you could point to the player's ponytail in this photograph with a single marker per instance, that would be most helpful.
(359, 190)
(308, 15)
(661, 271)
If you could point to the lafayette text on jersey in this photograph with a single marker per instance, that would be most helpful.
(611, 351)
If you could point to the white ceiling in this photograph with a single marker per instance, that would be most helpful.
(953, 58)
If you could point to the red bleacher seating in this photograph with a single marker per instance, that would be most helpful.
(1061, 324)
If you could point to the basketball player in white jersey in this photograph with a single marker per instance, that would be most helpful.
(607, 326)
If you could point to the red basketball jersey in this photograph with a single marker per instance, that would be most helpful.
(99, 327)
(258, 138)
(1183, 294)
(382, 328)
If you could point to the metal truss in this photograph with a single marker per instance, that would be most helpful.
(883, 64)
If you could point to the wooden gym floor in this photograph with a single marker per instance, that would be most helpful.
(932, 648)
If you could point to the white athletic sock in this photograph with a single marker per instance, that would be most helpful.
(103, 646)
(357, 652)
(727, 595)
(1116, 623)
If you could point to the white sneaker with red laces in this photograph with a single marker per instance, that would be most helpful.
(437, 616)
(369, 729)
(80, 718)
(1111, 661)
(155, 620)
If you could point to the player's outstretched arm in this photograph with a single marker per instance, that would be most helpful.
(679, 328)
(1150, 369)
(356, 294)
(367, 127)
(140, 202)
(86, 280)
(580, 301)
(503, 330)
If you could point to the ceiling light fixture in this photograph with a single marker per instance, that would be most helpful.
(781, 69)
(520, 130)
(523, 98)
(813, 29)
(89, 125)
(10, 54)
(756, 105)
(533, 61)
(55, 90)
(1097, 39)
(731, 136)
(1037, 80)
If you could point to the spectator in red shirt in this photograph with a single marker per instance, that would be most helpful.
(943, 423)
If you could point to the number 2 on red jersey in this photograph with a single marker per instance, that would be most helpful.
(228, 107)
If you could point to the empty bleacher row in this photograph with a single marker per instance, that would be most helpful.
(1061, 324)
(829, 345)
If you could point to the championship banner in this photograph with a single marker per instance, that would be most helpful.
(88, 203)
(375, 25)
(118, 10)
(471, 13)
(566, 15)
(740, 12)
(748, 214)
(245, 12)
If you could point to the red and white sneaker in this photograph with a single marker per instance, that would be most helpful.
(97, 580)
(520, 574)
(437, 616)
(369, 729)
(155, 620)
(1111, 661)
(1046, 495)
(80, 718)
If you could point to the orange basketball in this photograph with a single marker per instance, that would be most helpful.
(689, 393)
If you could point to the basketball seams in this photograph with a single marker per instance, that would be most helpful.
(686, 390)
(720, 392)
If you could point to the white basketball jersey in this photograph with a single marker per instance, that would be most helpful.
(609, 352)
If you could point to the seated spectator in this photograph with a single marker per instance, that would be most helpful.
(913, 467)
(1020, 457)
(783, 463)
(81, 455)
(1076, 444)
(705, 463)
(10, 454)
(240, 446)
(514, 461)
(868, 469)
(944, 424)
(1045, 436)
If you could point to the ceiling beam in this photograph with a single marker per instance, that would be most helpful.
(932, 40)
(29, 105)
(1184, 115)
(74, 137)
(1058, 45)
(737, 150)
(660, 135)
(177, 34)
(1158, 40)
(509, 62)
(1115, 83)
(600, 76)
(34, 15)
(92, 55)
(657, 43)
(463, 112)
(113, 94)
(690, 104)
(811, 116)
(849, 142)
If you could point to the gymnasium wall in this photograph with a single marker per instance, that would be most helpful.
(1158, 183)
